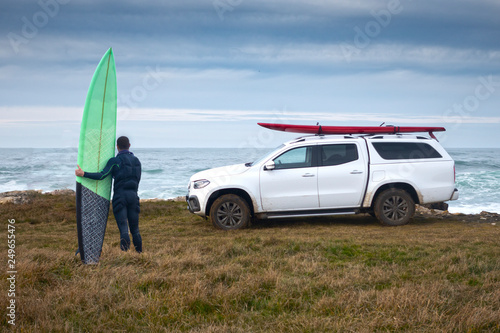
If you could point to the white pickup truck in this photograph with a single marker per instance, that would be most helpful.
(383, 175)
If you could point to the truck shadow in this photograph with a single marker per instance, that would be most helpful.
(357, 220)
(339, 220)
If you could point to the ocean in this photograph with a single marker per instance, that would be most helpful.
(166, 172)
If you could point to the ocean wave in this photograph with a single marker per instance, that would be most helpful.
(475, 165)
(166, 172)
(472, 160)
(13, 186)
(455, 207)
(153, 171)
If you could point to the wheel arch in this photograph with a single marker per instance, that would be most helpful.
(402, 186)
(236, 191)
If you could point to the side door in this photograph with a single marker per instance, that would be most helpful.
(293, 183)
(342, 175)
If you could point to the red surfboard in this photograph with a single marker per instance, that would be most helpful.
(318, 129)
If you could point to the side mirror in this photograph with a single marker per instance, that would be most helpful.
(269, 166)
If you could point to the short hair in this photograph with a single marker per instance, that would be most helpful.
(123, 142)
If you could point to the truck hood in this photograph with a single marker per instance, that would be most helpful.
(225, 171)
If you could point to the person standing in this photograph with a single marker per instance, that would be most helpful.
(125, 169)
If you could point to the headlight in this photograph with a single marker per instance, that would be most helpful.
(197, 184)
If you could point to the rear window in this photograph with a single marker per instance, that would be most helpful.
(338, 154)
(405, 150)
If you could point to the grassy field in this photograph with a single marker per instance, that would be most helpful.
(345, 274)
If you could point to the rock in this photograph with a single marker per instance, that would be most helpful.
(18, 193)
(177, 199)
(23, 197)
(488, 214)
(437, 205)
(6, 200)
(425, 211)
(18, 197)
(153, 200)
(62, 192)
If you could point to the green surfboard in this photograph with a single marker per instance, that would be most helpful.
(96, 147)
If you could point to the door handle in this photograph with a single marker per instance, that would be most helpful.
(356, 172)
(308, 175)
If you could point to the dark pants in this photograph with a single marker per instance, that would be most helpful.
(126, 210)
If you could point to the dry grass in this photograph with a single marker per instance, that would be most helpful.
(307, 275)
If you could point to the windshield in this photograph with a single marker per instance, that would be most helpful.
(265, 157)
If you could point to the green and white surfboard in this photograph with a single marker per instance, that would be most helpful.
(96, 147)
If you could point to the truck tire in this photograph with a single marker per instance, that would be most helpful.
(394, 207)
(230, 212)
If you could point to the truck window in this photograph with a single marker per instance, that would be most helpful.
(338, 154)
(405, 150)
(295, 158)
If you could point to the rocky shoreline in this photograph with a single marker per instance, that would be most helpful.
(25, 197)
(422, 212)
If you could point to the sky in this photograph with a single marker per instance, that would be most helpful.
(203, 73)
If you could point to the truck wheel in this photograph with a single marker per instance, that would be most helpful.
(230, 212)
(394, 207)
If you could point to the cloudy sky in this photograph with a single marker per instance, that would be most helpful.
(203, 73)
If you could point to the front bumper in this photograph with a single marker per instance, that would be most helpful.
(193, 203)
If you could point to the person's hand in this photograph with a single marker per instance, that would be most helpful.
(79, 172)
